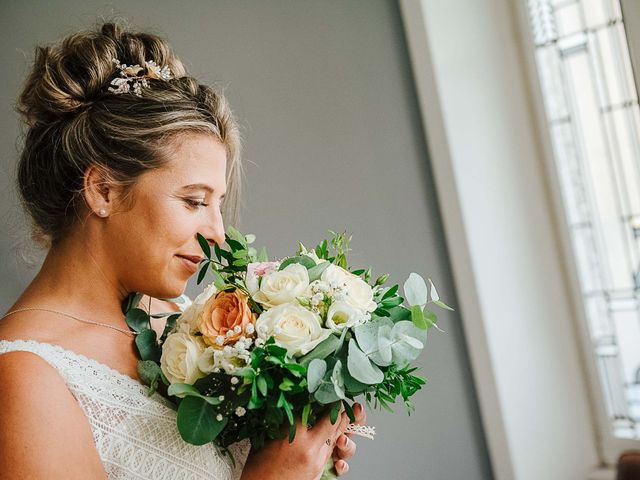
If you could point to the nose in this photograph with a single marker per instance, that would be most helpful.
(214, 232)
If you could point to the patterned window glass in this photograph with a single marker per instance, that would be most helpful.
(591, 105)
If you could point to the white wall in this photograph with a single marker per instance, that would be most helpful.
(501, 231)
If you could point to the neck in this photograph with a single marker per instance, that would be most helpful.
(76, 279)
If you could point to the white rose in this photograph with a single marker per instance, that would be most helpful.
(179, 359)
(335, 275)
(341, 315)
(293, 327)
(255, 270)
(283, 286)
(188, 321)
(360, 294)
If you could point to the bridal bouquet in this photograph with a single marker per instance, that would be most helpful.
(269, 341)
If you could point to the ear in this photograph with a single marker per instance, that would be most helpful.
(99, 193)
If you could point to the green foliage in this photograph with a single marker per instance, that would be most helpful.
(198, 421)
(147, 344)
(150, 374)
(137, 319)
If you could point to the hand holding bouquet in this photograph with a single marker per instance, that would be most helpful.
(269, 341)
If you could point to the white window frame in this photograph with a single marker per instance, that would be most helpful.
(489, 149)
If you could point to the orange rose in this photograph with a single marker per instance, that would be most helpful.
(225, 312)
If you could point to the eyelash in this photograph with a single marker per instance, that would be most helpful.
(196, 203)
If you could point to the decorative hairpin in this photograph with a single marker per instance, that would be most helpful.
(134, 77)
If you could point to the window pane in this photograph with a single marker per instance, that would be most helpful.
(592, 111)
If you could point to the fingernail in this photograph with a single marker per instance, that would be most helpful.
(344, 441)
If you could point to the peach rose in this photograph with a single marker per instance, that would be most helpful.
(225, 317)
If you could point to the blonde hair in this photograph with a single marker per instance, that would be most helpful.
(73, 122)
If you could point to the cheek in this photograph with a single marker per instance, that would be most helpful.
(151, 234)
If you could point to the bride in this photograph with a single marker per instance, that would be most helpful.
(125, 159)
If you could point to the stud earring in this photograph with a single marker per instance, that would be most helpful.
(102, 212)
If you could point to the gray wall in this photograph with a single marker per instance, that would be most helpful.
(325, 95)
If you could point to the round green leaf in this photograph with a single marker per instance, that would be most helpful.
(415, 290)
(315, 372)
(138, 319)
(197, 421)
(360, 367)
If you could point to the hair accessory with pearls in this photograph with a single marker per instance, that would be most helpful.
(134, 77)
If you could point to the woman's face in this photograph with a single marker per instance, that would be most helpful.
(154, 242)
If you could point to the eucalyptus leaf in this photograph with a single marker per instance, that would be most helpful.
(433, 292)
(360, 367)
(197, 422)
(178, 389)
(415, 290)
(441, 304)
(322, 350)
(138, 319)
(351, 385)
(147, 344)
(337, 380)
(150, 374)
(368, 336)
(315, 272)
(132, 301)
(326, 393)
(304, 260)
(417, 317)
(315, 373)
(407, 342)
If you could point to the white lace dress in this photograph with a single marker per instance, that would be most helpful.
(135, 435)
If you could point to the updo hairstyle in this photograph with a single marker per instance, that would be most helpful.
(73, 122)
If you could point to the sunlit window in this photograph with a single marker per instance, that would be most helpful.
(593, 118)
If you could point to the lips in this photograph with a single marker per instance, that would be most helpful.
(190, 262)
(193, 258)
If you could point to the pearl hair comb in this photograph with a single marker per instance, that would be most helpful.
(134, 77)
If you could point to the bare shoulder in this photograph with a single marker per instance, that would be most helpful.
(43, 431)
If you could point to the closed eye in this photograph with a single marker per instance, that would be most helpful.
(196, 203)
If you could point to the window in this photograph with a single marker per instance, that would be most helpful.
(592, 113)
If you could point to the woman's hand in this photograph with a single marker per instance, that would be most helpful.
(303, 459)
(345, 446)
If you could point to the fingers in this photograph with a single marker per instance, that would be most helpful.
(325, 429)
(342, 467)
(360, 414)
(345, 448)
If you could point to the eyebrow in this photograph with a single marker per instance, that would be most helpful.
(200, 186)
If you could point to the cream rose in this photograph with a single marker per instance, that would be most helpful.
(224, 318)
(179, 359)
(293, 327)
(255, 270)
(358, 293)
(188, 320)
(341, 315)
(282, 286)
